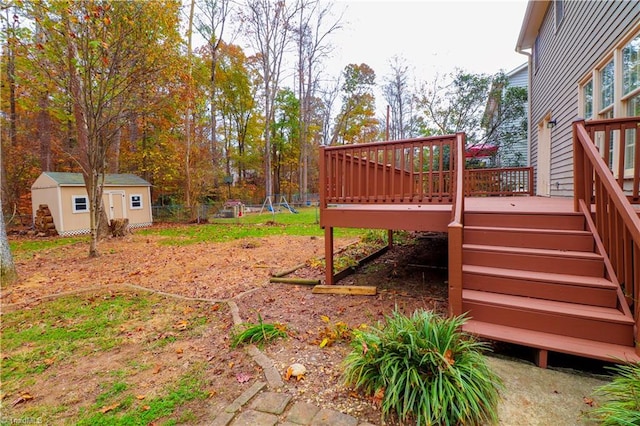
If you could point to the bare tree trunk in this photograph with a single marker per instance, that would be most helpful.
(94, 190)
(8, 272)
(114, 163)
(214, 126)
(187, 118)
(44, 132)
(11, 76)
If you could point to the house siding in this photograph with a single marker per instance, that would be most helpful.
(588, 32)
(517, 154)
(520, 78)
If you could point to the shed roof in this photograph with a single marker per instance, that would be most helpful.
(75, 179)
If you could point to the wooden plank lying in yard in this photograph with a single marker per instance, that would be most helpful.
(361, 290)
(302, 281)
(289, 271)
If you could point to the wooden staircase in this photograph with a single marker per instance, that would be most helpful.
(536, 279)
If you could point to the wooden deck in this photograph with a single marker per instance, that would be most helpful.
(555, 274)
(436, 217)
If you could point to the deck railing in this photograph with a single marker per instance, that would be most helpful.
(412, 171)
(618, 141)
(507, 181)
(618, 225)
(404, 171)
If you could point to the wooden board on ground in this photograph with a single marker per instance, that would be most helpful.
(301, 281)
(361, 290)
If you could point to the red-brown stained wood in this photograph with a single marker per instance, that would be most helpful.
(553, 342)
(536, 260)
(597, 291)
(566, 319)
(533, 270)
(557, 239)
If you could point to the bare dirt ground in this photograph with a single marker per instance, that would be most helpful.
(407, 278)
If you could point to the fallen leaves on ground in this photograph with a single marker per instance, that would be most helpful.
(108, 408)
(24, 397)
(243, 377)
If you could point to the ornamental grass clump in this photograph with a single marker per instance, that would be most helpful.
(424, 369)
(258, 333)
(622, 405)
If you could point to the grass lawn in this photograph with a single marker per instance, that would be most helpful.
(252, 225)
(110, 358)
(125, 357)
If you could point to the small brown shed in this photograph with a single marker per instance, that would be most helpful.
(124, 196)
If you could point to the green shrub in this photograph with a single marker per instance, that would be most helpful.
(425, 370)
(258, 333)
(622, 406)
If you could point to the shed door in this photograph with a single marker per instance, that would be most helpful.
(114, 204)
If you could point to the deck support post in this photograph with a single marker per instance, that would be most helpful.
(541, 358)
(390, 239)
(328, 254)
(455, 269)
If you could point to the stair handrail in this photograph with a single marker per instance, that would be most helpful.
(456, 227)
(618, 225)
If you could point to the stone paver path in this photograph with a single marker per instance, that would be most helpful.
(259, 407)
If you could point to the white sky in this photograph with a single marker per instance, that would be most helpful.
(434, 37)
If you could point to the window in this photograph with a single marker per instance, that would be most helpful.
(80, 204)
(587, 100)
(631, 66)
(633, 110)
(559, 11)
(612, 90)
(135, 201)
(606, 88)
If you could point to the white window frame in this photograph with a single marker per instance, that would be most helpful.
(74, 206)
(632, 95)
(619, 107)
(131, 206)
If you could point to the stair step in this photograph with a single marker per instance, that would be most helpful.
(574, 221)
(597, 291)
(533, 259)
(552, 342)
(558, 239)
(568, 319)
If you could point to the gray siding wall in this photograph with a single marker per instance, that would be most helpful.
(517, 154)
(520, 78)
(587, 33)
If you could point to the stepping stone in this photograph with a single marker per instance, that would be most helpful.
(302, 413)
(333, 418)
(255, 418)
(271, 402)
